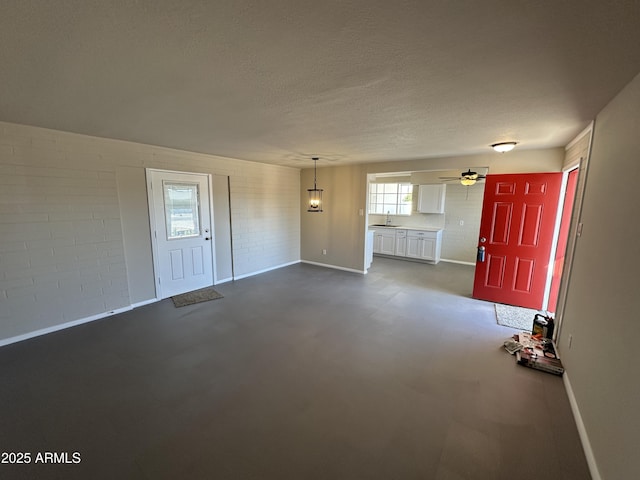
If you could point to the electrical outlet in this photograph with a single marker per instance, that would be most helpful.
(570, 341)
(324, 251)
(461, 223)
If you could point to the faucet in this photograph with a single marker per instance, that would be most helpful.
(388, 220)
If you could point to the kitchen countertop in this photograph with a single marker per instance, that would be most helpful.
(404, 227)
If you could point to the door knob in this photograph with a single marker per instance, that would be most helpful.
(483, 239)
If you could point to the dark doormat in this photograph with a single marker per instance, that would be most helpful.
(197, 296)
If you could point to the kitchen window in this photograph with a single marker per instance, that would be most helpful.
(390, 198)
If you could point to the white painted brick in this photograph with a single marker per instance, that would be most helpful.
(8, 199)
(6, 153)
(89, 238)
(31, 290)
(39, 258)
(26, 154)
(14, 260)
(24, 218)
(114, 302)
(11, 247)
(16, 283)
(7, 170)
(92, 290)
(49, 242)
(13, 140)
(71, 180)
(84, 307)
(31, 272)
(69, 215)
(58, 276)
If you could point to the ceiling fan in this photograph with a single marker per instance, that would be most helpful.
(467, 178)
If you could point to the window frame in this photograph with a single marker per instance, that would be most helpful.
(390, 197)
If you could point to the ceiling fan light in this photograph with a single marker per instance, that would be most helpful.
(467, 181)
(503, 147)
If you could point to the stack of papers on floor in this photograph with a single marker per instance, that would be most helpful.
(540, 354)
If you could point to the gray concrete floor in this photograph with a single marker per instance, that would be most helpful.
(299, 373)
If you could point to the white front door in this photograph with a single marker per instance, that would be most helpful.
(181, 224)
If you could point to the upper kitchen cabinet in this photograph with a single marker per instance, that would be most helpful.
(431, 198)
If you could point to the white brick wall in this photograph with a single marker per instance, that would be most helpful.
(265, 211)
(62, 249)
(57, 225)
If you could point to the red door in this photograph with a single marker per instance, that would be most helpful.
(518, 219)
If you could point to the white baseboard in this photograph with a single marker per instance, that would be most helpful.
(258, 272)
(326, 265)
(145, 302)
(223, 280)
(582, 431)
(448, 260)
(62, 326)
(74, 323)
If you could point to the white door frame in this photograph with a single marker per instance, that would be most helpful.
(153, 215)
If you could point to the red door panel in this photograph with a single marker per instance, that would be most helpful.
(518, 219)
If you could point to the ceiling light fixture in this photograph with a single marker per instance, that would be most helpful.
(468, 181)
(315, 193)
(504, 146)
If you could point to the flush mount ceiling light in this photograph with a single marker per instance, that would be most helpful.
(504, 146)
(315, 193)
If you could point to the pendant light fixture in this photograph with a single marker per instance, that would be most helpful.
(315, 193)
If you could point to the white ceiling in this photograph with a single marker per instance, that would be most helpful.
(350, 81)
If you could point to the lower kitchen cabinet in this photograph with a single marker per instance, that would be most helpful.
(422, 246)
(401, 243)
(384, 242)
(418, 244)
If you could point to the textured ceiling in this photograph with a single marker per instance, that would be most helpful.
(349, 81)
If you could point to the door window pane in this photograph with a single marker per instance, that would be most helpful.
(181, 210)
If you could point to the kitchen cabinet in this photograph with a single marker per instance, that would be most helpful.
(401, 243)
(424, 245)
(431, 198)
(384, 241)
(406, 243)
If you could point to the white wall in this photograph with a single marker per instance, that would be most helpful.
(74, 228)
(460, 242)
(602, 309)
